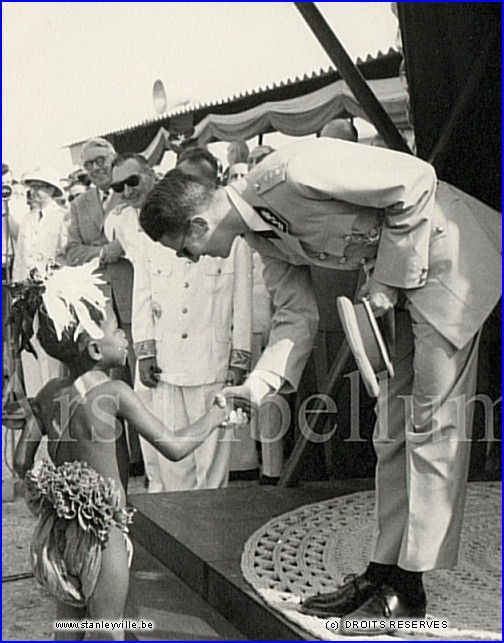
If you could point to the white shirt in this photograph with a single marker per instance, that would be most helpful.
(40, 239)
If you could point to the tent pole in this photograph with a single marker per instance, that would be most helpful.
(317, 422)
(461, 106)
(352, 76)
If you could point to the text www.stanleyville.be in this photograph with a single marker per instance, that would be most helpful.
(88, 624)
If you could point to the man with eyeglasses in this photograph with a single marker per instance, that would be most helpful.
(435, 257)
(87, 213)
(86, 237)
(87, 240)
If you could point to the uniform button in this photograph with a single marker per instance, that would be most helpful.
(157, 310)
(343, 260)
(322, 256)
(219, 270)
(257, 186)
(277, 172)
(363, 261)
(186, 284)
(347, 238)
(184, 310)
(159, 271)
(439, 229)
(184, 335)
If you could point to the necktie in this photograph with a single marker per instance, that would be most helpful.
(40, 215)
(105, 197)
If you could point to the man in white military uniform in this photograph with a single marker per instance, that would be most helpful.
(191, 325)
(436, 252)
(42, 237)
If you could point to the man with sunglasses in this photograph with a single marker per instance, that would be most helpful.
(87, 240)
(435, 255)
(132, 179)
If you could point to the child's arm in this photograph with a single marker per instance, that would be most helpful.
(39, 412)
(162, 438)
(28, 443)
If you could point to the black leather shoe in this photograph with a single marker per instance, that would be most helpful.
(355, 591)
(378, 613)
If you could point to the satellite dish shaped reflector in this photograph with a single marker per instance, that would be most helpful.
(159, 97)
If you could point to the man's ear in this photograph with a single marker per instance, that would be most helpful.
(199, 226)
(94, 350)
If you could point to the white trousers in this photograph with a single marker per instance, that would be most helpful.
(207, 467)
(423, 442)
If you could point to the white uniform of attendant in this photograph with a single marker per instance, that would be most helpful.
(42, 236)
(197, 319)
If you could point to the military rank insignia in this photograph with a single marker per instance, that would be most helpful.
(272, 219)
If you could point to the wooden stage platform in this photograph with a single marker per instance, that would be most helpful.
(200, 535)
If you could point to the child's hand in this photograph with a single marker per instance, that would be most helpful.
(236, 418)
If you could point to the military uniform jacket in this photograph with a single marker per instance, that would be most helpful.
(343, 205)
(85, 238)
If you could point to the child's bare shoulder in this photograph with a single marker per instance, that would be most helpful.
(50, 390)
(112, 388)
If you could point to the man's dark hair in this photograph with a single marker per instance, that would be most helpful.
(173, 202)
(120, 159)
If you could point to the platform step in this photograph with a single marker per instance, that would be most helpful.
(159, 598)
(200, 535)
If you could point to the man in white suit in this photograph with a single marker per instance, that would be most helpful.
(42, 238)
(191, 327)
(435, 254)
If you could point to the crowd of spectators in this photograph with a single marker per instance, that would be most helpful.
(183, 347)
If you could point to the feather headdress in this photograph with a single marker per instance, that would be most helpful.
(64, 294)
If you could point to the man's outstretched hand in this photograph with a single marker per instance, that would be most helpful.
(241, 397)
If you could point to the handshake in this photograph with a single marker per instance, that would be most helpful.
(237, 412)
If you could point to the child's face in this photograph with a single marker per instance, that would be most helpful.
(113, 345)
